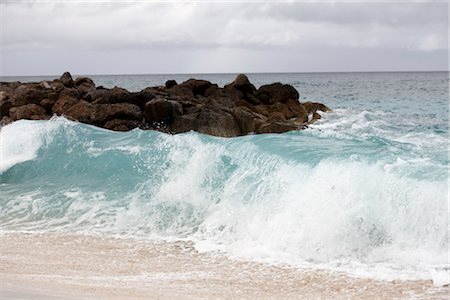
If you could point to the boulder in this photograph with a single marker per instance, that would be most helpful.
(162, 110)
(245, 119)
(66, 80)
(276, 127)
(28, 94)
(217, 123)
(197, 86)
(81, 111)
(5, 106)
(27, 111)
(106, 112)
(63, 104)
(121, 124)
(47, 104)
(276, 92)
(242, 84)
(170, 83)
(84, 84)
(315, 106)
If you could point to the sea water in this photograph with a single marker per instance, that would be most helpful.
(364, 190)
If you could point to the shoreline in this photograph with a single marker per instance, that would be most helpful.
(54, 266)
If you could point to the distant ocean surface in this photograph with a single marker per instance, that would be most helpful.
(363, 191)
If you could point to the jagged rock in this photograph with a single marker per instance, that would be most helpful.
(105, 112)
(276, 92)
(217, 123)
(198, 87)
(65, 102)
(162, 110)
(121, 124)
(27, 111)
(84, 84)
(198, 105)
(81, 111)
(67, 80)
(47, 104)
(4, 108)
(245, 119)
(315, 106)
(31, 93)
(170, 83)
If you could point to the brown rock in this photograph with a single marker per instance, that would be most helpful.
(276, 92)
(217, 123)
(245, 119)
(106, 112)
(162, 110)
(67, 80)
(197, 86)
(170, 83)
(81, 111)
(122, 125)
(47, 104)
(315, 106)
(4, 108)
(63, 104)
(27, 111)
(27, 94)
(276, 127)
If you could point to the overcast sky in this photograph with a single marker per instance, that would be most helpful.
(137, 37)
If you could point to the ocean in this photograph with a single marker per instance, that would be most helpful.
(363, 191)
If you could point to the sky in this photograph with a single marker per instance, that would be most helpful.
(153, 37)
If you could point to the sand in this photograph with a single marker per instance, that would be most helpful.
(54, 266)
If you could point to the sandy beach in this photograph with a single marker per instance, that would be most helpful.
(51, 266)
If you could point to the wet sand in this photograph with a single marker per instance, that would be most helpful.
(52, 266)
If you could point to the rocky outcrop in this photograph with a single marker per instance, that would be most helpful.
(238, 108)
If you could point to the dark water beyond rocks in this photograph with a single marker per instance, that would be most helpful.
(236, 109)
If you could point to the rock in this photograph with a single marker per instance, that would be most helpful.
(122, 125)
(242, 84)
(67, 80)
(5, 121)
(162, 110)
(276, 127)
(276, 92)
(170, 83)
(107, 112)
(27, 111)
(28, 94)
(315, 106)
(4, 108)
(81, 111)
(217, 123)
(84, 84)
(63, 104)
(47, 104)
(197, 86)
(245, 119)
(181, 91)
(71, 92)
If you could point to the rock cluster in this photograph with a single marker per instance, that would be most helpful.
(236, 109)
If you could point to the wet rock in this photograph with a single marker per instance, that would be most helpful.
(276, 92)
(63, 104)
(315, 106)
(27, 111)
(47, 104)
(4, 108)
(28, 94)
(170, 83)
(162, 110)
(122, 125)
(81, 111)
(106, 112)
(67, 80)
(197, 86)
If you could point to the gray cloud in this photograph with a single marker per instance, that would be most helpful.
(213, 37)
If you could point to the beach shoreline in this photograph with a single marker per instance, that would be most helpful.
(55, 266)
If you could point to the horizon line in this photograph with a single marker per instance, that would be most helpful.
(230, 73)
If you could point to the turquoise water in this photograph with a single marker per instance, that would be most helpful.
(364, 190)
